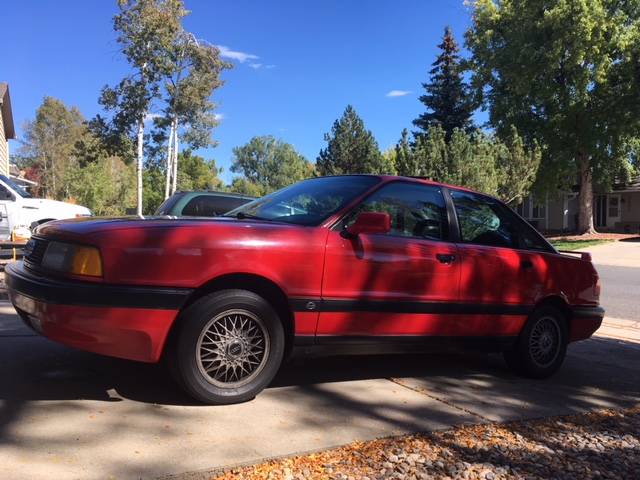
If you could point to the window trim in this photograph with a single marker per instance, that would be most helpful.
(445, 193)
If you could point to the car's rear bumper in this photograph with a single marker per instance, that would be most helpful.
(585, 320)
(120, 321)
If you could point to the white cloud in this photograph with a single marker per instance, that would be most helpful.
(269, 66)
(218, 116)
(255, 66)
(398, 93)
(242, 57)
(150, 117)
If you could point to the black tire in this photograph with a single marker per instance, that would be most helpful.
(541, 346)
(203, 361)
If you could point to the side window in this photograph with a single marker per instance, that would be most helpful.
(417, 211)
(485, 221)
(482, 222)
(203, 206)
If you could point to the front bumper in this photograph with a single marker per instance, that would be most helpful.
(119, 321)
(585, 320)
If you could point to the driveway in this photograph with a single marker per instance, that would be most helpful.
(71, 414)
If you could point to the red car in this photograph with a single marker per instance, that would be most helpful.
(339, 264)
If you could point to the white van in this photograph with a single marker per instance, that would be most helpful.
(18, 208)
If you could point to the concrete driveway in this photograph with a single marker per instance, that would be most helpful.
(70, 414)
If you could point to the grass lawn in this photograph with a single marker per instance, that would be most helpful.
(566, 244)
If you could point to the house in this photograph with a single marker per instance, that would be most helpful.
(615, 211)
(7, 130)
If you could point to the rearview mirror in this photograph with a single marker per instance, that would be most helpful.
(370, 222)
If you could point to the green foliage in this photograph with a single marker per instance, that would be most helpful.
(153, 188)
(406, 162)
(72, 163)
(49, 144)
(351, 148)
(106, 186)
(197, 173)
(267, 164)
(447, 98)
(518, 166)
(475, 160)
(564, 73)
(193, 76)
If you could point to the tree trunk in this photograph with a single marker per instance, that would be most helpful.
(585, 197)
(167, 187)
(175, 157)
(139, 164)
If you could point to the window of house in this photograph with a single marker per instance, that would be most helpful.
(538, 211)
(614, 206)
(417, 211)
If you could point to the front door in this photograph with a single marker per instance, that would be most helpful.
(600, 212)
(395, 284)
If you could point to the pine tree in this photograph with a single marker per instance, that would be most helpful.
(351, 148)
(447, 98)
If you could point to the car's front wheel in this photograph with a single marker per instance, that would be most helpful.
(541, 346)
(229, 347)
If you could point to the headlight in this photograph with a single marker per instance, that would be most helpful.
(74, 259)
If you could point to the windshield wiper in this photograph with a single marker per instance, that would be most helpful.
(243, 216)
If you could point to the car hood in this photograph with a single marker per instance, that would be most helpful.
(98, 226)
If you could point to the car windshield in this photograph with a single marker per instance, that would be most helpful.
(15, 187)
(309, 202)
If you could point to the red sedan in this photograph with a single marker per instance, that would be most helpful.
(341, 264)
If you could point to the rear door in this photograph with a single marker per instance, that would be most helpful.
(502, 266)
(397, 284)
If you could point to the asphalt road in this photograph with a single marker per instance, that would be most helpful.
(620, 291)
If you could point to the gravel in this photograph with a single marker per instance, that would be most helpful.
(599, 445)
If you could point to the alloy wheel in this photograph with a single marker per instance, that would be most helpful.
(544, 341)
(232, 349)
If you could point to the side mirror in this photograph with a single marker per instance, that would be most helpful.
(370, 222)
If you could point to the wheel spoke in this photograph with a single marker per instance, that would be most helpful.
(233, 348)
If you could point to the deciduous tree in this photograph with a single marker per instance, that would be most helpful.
(268, 164)
(567, 74)
(146, 31)
(49, 144)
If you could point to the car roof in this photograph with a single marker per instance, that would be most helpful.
(416, 179)
(215, 193)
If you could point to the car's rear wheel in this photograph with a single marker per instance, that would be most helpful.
(229, 347)
(541, 346)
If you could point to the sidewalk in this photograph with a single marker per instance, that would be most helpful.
(620, 329)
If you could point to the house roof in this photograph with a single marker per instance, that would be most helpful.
(7, 114)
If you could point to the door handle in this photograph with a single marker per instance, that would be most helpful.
(445, 258)
(526, 264)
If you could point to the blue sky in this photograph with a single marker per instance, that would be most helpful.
(297, 63)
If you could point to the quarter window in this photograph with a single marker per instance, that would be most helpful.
(416, 211)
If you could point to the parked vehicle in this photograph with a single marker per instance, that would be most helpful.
(18, 208)
(201, 204)
(345, 264)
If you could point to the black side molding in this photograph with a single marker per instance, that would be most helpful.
(587, 312)
(69, 292)
(399, 306)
